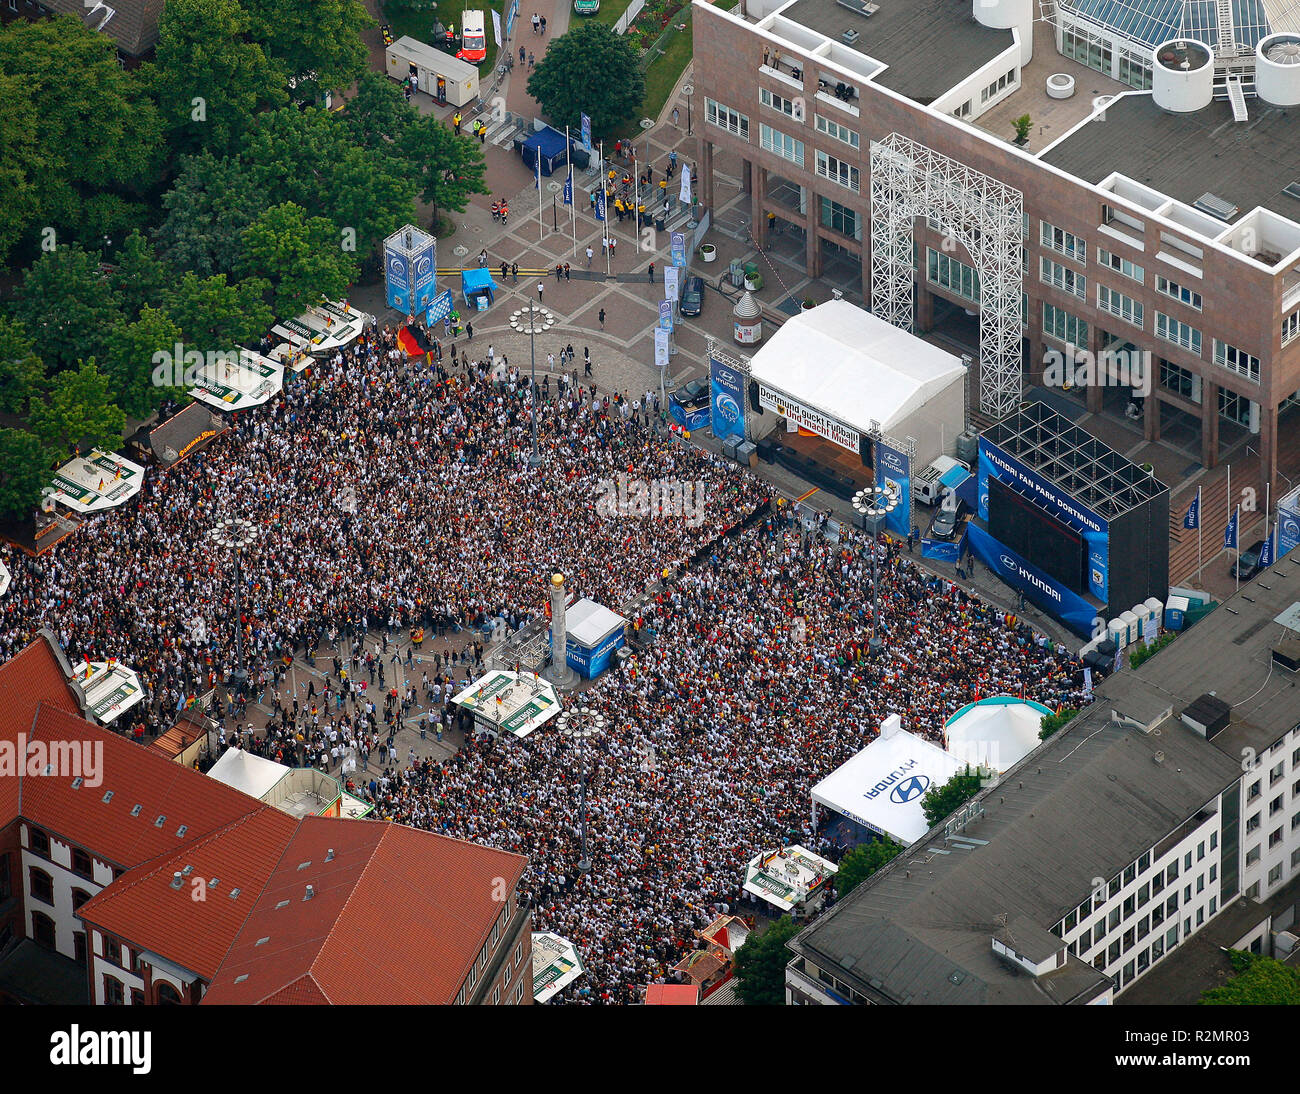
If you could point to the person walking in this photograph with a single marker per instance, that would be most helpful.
(601, 317)
(531, 59)
(566, 270)
(613, 243)
(675, 115)
(589, 254)
(652, 272)
(559, 272)
(586, 361)
(543, 24)
(540, 286)
(469, 331)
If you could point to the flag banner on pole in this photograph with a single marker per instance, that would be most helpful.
(1193, 517)
(1266, 552)
(661, 348)
(677, 248)
(600, 203)
(685, 193)
(670, 283)
(568, 189)
(586, 132)
(1230, 532)
(496, 27)
(665, 315)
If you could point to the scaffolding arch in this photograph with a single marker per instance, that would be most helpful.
(986, 216)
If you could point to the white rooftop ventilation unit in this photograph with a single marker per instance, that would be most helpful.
(1182, 75)
(1277, 69)
(1006, 14)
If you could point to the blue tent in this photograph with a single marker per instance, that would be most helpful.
(477, 283)
(548, 147)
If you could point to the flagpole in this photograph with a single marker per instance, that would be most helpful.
(1199, 522)
(573, 197)
(539, 196)
(604, 198)
(1237, 568)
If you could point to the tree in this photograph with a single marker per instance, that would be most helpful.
(1260, 981)
(317, 46)
(301, 256)
(22, 372)
(20, 164)
(79, 413)
(1023, 125)
(130, 363)
(377, 114)
(138, 276)
(589, 69)
(760, 965)
(67, 305)
(1050, 723)
(210, 204)
(939, 801)
(24, 472)
(214, 316)
(448, 168)
(209, 79)
(863, 861)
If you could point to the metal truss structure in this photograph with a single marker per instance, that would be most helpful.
(909, 180)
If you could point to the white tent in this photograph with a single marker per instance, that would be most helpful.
(588, 622)
(882, 786)
(841, 362)
(254, 775)
(110, 689)
(4, 579)
(995, 732)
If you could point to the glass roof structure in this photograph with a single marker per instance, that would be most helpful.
(1150, 22)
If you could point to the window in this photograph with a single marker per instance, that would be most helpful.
(1060, 324)
(42, 885)
(1200, 851)
(1063, 242)
(1290, 328)
(79, 897)
(168, 996)
(1007, 79)
(1214, 872)
(1144, 894)
(1144, 926)
(113, 995)
(1157, 882)
(1113, 920)
(1125, 307)
(1274, 876)
(1200, 916)
(1171, 871)
(1120, 265)
(1234, 407)
(1085, 940)
(1171, 288)
(82, 864)
(1200, 883)
(781, 103)
(1053, 273)
(1252, 823)
(1275, 806)
(1245, 364)
(1130, 906)
(1254, 791)
(1144, 863)
(1252, 855)
(137, 997)
(1275, 837)
(1130, 872)
(43, 930)
(1088, 49)
(1136, 72)
(1071, 921)
(1157, 915)
(113, 951)
(1179, 333)
(1112, 955)
(839, 132)
(838, 172)
(1112, 215)
(1214, 840)
(40, 842)
(841, 218)
(952, 274)
(782, 144)
(726, 118)
(1177, 379)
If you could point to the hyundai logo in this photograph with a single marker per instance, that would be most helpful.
(422, 264)
(984, 501)
(892, 461)
(1009, 563)
(1291, 529)
(909, 789)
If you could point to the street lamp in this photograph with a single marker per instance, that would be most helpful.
(234, 534)
(536, 316)
(580, 723)
(873, 504)
(689, 90)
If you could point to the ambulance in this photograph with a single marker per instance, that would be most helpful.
(473, 41)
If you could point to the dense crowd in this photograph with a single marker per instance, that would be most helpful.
(389, 493)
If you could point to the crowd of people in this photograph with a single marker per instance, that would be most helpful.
(388, 492)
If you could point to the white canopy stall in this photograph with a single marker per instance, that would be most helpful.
(90, 484)
(238, 384)
(110, 689)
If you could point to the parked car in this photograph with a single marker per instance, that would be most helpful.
(694, 393)
(693, 296)
(586, 7)
(945, 523)
(1247, 565)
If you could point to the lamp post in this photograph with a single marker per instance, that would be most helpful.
(873, 504)
(580, 723)
(689, 89)
(535, 316)
(234, 534)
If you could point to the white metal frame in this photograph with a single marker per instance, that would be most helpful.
(909, 180)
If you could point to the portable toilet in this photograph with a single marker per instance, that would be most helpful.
(1134, 626)
(1176, 612)
(1157, 609)
(1117, 632)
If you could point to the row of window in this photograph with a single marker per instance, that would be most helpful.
(1007, 79)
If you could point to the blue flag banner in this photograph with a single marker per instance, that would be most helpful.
(1266, 552)
(586, 132)
(1230, 532)
(1193, 517)
(568, 189)
(600, 204)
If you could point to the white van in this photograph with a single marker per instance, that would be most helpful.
(927, 487)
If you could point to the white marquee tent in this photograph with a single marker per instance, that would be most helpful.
(994, 732)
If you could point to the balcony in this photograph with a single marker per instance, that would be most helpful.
(1290, 290)
(784, 73)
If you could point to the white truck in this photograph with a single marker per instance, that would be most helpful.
(927, 486)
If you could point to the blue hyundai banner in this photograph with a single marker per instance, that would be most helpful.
(1288, 524)
(1230, 532)
(397, 278)
(440, 307)
(1039, 588)
(728, 400)
(600, 203)
(1266, 552)
(568, 189)
(894, 466)
(1192, 519)
(942, 550)
(586, 132)
(665, 315)
(694, 419)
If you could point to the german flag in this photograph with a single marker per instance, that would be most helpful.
(413, 342)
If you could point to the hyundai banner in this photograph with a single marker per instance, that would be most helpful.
(727, 390)
(1288, 523)
(1039, 588)
(397, 276)
(684, 194)
(665, 316)
(677, 248)
(440, 307)
(586, 133)
(661, 347)
(671, 288)
(893, 466)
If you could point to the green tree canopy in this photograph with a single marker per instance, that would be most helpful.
(79, 413)
(22, 161)
(760, 965)
(447, 168)
(300, 255)
(138, 275)
(318, 46)
(939, 801)
(591, 69)
(214, 315)
(22, 372)
(130, 363)
(67, 305)
(210, 204)
(377, 114)
(24, 472)
(209, 79)
(1260, 982)
(863, 861)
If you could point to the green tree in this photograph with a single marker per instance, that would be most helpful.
(138, 275)
(24, 472)
(447, 168)
(760, 965)
(939, 801)
(209, 79)
(1260, 982)
(300, 256)
(130, 363)
(214, 315)
(592, 69)
(22, 372)
(79, 413)
(377, 114)
(863, 861)
(317, 46)
(96, 142)
(1050, 723)
(67, 305)
(210, 204)
(1023, 125)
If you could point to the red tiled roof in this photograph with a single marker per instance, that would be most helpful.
(28, 679)
(143, 908)
(398, 916)
(672, 995)
(135, 776)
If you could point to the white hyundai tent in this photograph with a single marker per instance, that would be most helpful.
(882, 786)
(842, 363)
